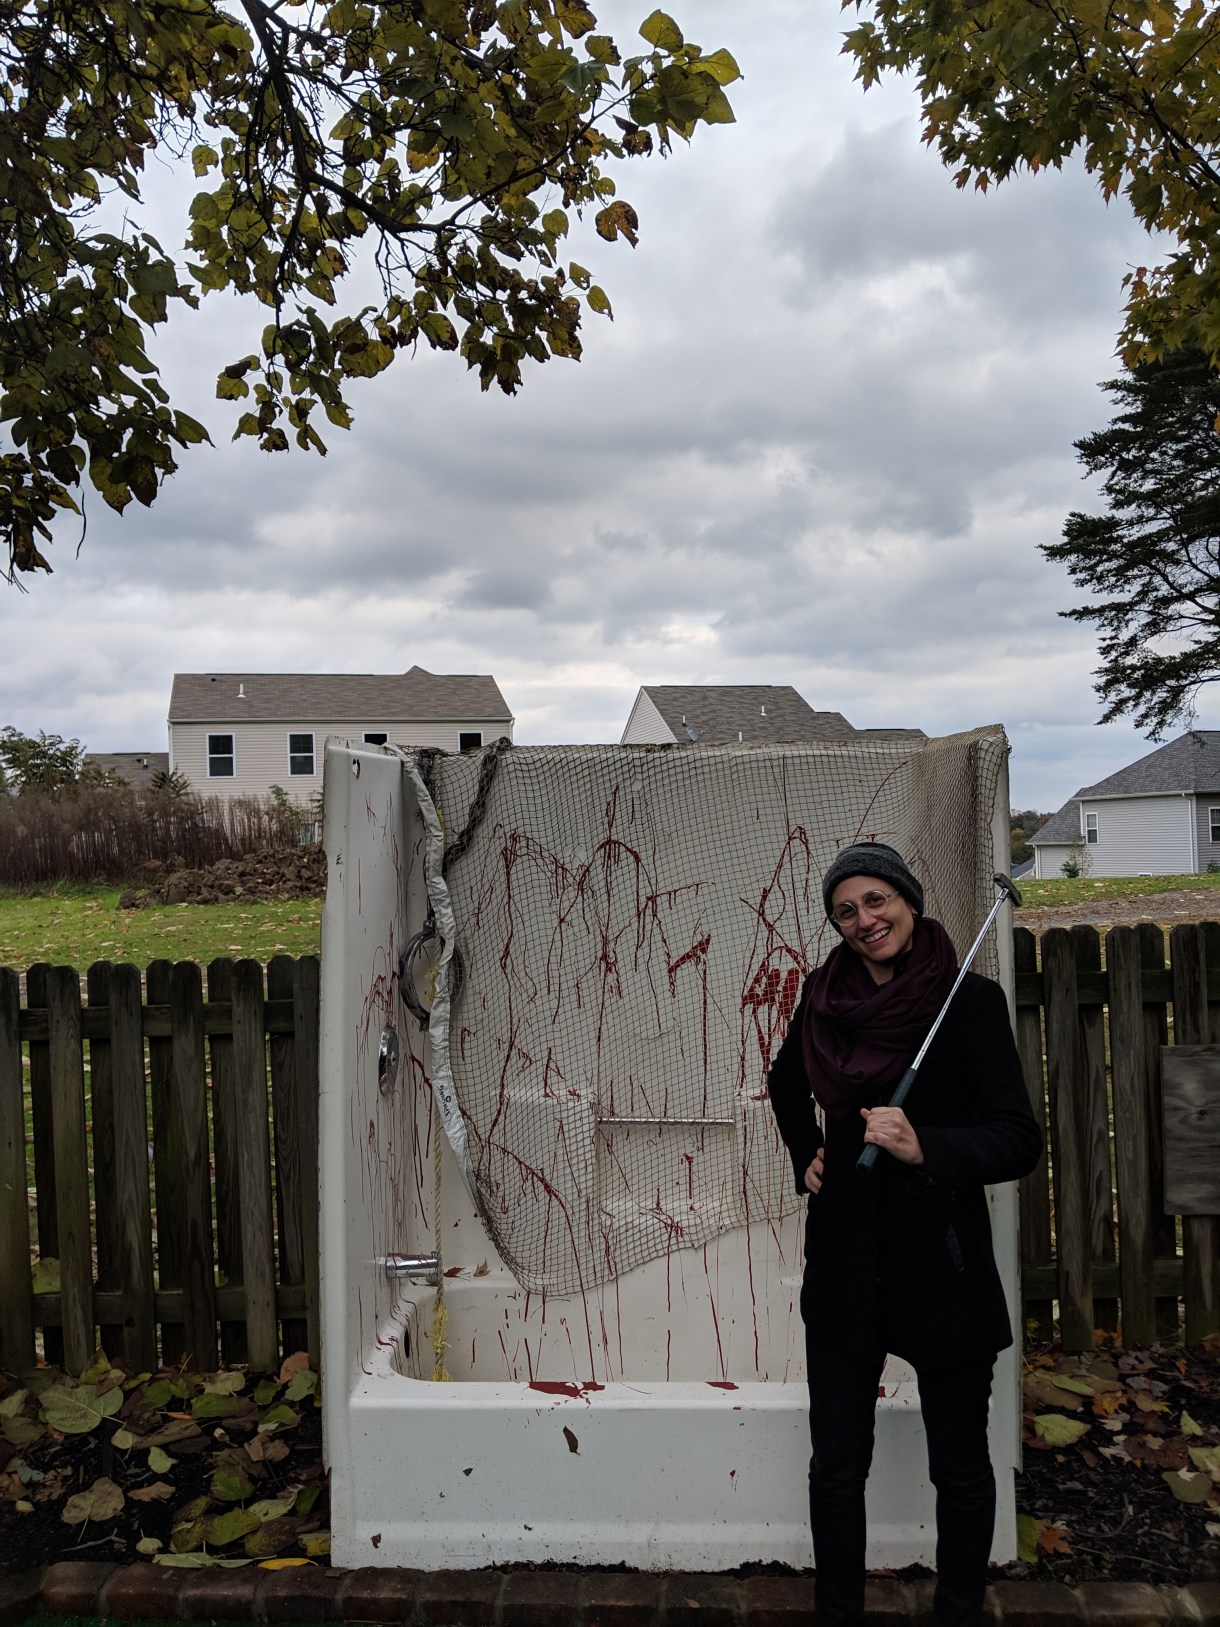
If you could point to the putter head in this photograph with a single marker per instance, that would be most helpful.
(1007, 885)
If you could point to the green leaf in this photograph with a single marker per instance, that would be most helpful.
(579, 275)
(46, 1277)
(1027, 1538)
(123, 1440)
(159, 1462)
(231, 1526)
(598, 302)
(231, 1484)
(149, 1546)
(102, 1501)
(1188, 1426)
(13, 1403)
(217, 1404)
(1077, 1386)
(660, 30)
(188, 1561)
(1187, 1485)
(301, 1385)
(79, 1410)
(229, 1383)
(1057, 1430)
(721, 65)
(278, 1417)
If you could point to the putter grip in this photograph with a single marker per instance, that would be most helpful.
(867, 1160)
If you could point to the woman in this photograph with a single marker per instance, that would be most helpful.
(899, 1260)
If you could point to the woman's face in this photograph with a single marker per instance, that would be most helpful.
(878, 931)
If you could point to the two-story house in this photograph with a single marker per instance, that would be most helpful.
(240, 733)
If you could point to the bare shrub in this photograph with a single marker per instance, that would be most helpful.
(108, 834)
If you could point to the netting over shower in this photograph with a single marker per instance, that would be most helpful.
(634, 925)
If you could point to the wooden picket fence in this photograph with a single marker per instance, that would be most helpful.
(177, 1187)
(183, 1211)
(1096, 1244)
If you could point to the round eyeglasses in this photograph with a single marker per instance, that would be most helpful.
(874, 903)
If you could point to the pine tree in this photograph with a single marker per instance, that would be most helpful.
(1153, 559)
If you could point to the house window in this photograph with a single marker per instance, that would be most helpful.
(375, 737)
(300, 754)
(222, 757)
(470, 739)
(1213, 818)
(1090, 827)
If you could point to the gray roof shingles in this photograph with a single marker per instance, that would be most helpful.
(412, 696)
(1189, 763)
(759, 712)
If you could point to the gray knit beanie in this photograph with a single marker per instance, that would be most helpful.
(872, 859)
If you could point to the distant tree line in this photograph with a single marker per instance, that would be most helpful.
(66, 819)
(1022, 824)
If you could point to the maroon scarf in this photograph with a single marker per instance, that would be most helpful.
(859, 1036)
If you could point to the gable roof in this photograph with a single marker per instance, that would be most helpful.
(136, 767)
(1061, 829)
(1189, 763)
(718, 713)
(414, 696)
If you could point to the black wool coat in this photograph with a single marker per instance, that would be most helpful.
(902, 1258)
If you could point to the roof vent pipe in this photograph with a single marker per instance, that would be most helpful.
(241, 692)
(762, 711)
(739, 737)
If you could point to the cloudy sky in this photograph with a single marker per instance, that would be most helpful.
(819, 445)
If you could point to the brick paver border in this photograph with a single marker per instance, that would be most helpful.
(587, 1598)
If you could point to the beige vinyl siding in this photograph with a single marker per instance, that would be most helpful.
(1209, 851)
(1048, 861)
(1151, 835)
(646, 726)
(262, 750)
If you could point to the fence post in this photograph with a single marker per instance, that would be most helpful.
(16, 1282)
(289, 1196)
(1200, 1257)
(108, 1196)
(71, 1167)
(1064, 1073)
(1132, 1139)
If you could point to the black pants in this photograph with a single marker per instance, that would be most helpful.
(842, 1408)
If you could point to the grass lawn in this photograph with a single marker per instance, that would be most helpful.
(1044, 894)
(77, 926)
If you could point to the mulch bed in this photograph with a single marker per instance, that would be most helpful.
(1121, 1479)
(1135, 1496)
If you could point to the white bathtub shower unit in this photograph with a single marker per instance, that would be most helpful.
(654, 1416)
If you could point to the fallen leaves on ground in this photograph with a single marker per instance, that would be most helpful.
(1121, 1473)
(186, 1469)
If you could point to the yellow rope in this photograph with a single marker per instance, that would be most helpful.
(440, 1315)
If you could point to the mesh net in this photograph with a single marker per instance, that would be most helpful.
(635, 924)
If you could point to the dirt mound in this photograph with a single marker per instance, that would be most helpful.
(296, 872)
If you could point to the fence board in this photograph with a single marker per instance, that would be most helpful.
(1095, 1125)
(233, 1347)
(1035, 1194)
(286, 1119)
(307, 987)
(1132, 1145)
(1064, 1066)
(133, 1257)
(189, 1108)
(44, 1139)
(1191, 1026)
(16, 1282)
(167, 1158)
(108, 1201)
(254, 1165)
(1158, 989)
(71, 1167)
